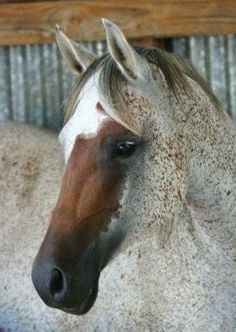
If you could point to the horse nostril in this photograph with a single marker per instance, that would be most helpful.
(57, 283)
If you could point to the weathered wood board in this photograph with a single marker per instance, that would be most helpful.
(28, 22)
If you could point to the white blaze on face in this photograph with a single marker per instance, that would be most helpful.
(86, 120)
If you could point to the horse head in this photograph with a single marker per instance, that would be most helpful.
(126, 165)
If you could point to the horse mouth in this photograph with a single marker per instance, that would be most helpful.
(87, 304)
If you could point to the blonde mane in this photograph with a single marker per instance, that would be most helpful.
(175, 68)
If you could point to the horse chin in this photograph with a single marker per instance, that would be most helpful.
(86, 305)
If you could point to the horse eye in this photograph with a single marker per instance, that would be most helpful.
(125, 149)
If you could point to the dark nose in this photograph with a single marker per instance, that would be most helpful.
(50, 283)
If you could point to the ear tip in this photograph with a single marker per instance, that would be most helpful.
(58, 28)
(106, 22)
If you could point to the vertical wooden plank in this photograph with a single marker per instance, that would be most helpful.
(198, 54)
(181, 46)
(51, 90)
(33, 85)
(66, 77)
(5, 85)
(231, 73)
(217, 67)
(18, 102)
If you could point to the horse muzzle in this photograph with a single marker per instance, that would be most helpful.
(73, 292)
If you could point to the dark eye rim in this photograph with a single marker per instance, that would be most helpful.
(125, 149)
(110, 142)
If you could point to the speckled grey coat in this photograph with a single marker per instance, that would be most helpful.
(175, 270)
(178, 271)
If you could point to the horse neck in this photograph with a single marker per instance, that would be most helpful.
(189, 160)
(211, 137)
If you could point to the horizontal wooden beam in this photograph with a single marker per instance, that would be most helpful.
(24, 22)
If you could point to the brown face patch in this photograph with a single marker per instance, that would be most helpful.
(91, 186)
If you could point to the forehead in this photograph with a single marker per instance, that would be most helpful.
(86, 120)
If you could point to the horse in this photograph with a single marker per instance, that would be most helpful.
(146, 208)
(150, 165)
(29, 184)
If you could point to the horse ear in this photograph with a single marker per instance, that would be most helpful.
(131, 64)
(75, 54)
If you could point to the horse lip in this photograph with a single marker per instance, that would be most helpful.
(86, 305)
(76, 307)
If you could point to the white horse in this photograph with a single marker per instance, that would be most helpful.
(150, 181)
